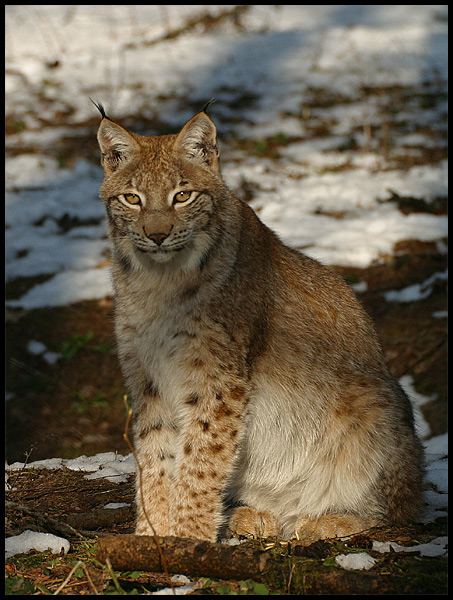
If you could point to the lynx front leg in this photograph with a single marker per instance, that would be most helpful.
(154, 443)
(205, 461)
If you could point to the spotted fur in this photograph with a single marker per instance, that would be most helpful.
(257, 378)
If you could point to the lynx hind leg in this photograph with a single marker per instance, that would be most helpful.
(247, 521)
(332, 525)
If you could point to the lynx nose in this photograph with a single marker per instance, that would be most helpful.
(159, 236)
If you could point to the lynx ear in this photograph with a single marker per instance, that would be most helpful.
(117, 146)
(197, 140)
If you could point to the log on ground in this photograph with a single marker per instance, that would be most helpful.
(196, 558)
(291, 574)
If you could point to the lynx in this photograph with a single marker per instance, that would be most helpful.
(262, 404)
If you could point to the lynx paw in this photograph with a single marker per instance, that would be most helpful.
(250, 522)
(333, 525)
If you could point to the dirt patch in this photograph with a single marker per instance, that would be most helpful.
(75, 406)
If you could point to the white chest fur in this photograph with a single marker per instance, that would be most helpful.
(154, 324)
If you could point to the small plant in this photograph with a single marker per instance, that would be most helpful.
(82, 404)
(69, 348)
(247, 587)
(18, 586)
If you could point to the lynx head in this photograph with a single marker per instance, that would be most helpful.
(160, 191)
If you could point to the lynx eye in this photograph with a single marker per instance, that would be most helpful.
(182, 196)
(132, 199)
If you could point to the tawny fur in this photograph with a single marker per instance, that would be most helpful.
(257, 378)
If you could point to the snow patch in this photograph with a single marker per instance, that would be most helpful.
(356, 561)
(34, 540)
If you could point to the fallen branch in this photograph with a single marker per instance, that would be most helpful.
(195, 558)
(71, 573)
(99, 519)
(292, 574)
(48, 523)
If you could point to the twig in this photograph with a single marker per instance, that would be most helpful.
(116, 583)
(90, 580)
(288, 587)
(71, 572)
(205, 20)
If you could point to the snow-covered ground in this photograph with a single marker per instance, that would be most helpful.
(324, 80)
(288, 60)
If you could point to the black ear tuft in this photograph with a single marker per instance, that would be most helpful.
(207, 105)
(100, 108)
